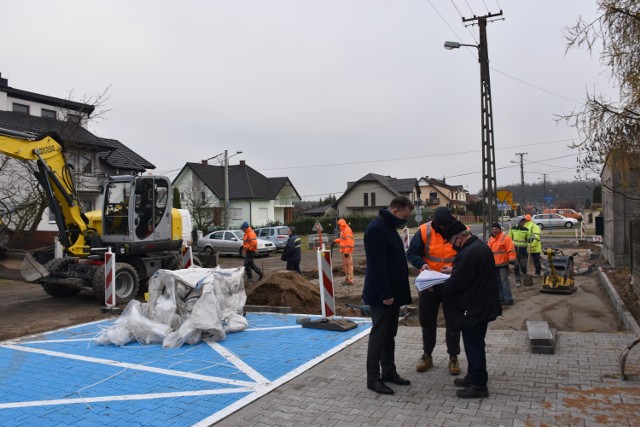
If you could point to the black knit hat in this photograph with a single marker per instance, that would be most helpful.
(442, 217)
(453, 229)
(496, 225)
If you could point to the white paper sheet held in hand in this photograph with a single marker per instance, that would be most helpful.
(429, 278)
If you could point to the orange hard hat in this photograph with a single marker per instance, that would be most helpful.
(527, 217)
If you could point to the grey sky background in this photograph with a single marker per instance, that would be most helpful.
(321, 91)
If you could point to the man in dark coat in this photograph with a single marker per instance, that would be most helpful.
(386, 289)
(292, 253)
(473, 294)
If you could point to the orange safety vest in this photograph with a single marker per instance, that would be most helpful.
(503, 249)
(250, 241)
(345, 240)
(438, 252)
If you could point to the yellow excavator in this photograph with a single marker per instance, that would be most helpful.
(137, 222)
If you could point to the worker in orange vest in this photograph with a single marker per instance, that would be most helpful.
(428, 250)
(504, 252)
(250, 246)
(346, 243)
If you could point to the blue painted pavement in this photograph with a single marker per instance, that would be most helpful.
(63, 378)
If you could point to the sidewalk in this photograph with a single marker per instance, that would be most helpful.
(576, 386)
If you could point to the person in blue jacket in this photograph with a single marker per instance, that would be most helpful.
(292, 253)
(386, 289)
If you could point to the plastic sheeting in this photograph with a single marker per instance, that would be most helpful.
(184, 307)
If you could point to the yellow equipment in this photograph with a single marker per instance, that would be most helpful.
(137, 222)
(559, 273)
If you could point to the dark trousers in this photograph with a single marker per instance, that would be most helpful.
(474, 348)
(250, 265)
(521, 261)
(428, 306)
(536, 262)
(294, 266)
(382, 343)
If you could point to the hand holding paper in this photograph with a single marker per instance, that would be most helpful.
(429, 278)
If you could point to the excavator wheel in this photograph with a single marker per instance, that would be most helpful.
(126, 283)
(58, 291)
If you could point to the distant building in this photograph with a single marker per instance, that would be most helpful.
(436, 193)
(372, 192)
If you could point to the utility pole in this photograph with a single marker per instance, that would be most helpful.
(489, 186)
(522, 180)
(225, 213)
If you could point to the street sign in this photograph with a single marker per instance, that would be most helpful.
(548, 199)
(505, 196)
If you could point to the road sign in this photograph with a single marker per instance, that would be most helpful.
(505, 196)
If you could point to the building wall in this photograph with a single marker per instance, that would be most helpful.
(353, 202)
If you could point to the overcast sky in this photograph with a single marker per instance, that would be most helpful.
(321, 91)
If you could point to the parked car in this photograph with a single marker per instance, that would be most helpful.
(278, 235)
(552, 220)
(504, 218)
(229, 242)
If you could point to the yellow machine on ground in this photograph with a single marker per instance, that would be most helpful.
(559, 273)
(137, 222)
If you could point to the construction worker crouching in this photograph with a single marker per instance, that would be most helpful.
(346, 243)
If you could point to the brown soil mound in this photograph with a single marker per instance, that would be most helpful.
(286, 289)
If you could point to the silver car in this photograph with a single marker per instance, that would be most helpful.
(552, 220)
(278, 235)
(229, 242)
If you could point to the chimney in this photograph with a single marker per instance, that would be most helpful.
(242, 163)
(3, 82)
(204, 162)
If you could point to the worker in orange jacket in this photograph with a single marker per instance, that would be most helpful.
(504, 252)
(429, 250)
(250, 246)
(346, 243)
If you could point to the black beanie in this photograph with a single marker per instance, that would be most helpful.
(453, 229)
(496, 225)
(442, 217)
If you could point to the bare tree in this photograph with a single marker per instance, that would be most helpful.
(606, 125)
(205, 209)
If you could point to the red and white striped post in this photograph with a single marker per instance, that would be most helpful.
(583, 230)
(325, 276)
(187, 257)
(405, 238)
(109, 278)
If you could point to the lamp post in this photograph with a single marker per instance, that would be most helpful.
(488, 151)
(225, 214)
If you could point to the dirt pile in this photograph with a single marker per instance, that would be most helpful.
(286, 289)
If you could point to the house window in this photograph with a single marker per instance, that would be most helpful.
(52, 217)
(373, 198)
(366, 199)
(86, 165)
(48, 114)
(203, 196)
(20, 108)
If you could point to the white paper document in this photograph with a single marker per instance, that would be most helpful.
(429, 278)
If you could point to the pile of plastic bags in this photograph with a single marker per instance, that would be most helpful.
(184, 306)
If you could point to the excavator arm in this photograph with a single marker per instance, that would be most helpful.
(56, 179)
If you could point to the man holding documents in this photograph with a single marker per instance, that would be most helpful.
(472, 295)
(428, 250)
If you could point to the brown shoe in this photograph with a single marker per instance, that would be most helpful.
(424, 363)
(454, 366)
(348, 283)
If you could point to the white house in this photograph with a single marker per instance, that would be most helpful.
(252, 196)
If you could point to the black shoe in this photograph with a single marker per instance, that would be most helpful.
(260, 277)
(507, 302)
(379, 387)
(462, 382)
(472, 392)
(396, 379)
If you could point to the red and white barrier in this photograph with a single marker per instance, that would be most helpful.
(583, 230)
(325, 275)
(405, 238)
(187, 257)
(109, 278)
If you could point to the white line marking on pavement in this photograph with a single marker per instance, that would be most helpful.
(147, 396)
(132, 366)
(238, 363)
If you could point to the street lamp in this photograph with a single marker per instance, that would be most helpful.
(488, 151)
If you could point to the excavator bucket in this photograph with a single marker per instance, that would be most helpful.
(21, 265)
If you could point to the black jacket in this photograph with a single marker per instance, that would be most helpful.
(387, 273)
(292, 250)
(472, 291)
